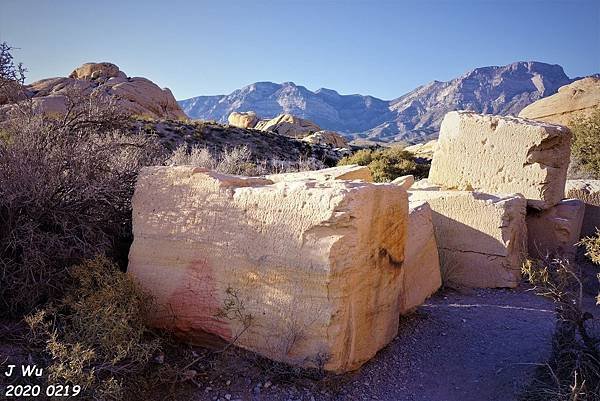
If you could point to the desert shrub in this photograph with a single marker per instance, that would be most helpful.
(573, 371)
(96, 335)
(586, 142)
(592, 247)
(387, 164)
(66, 183)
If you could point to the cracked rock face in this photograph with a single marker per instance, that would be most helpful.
(481, 238)
(496, 154)
(311, 267)
(589, 192)
(421, 277)
(554, 232)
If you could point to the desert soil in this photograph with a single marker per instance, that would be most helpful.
(472, 346)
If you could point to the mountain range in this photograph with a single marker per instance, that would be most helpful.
(412, 117)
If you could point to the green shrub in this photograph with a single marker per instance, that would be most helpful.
(586, 142)
(96, 335)
(387, 164)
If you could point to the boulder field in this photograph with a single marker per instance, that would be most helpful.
(315, 268)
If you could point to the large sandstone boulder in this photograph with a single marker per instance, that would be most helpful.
(348, 172)
(288, 125)
(247, 119)
(554, 232)
(135, 96)
(421, 276)
(575, 100)
(496, 154)
(589, 192)
(327, 138)
(481, 238)
(311, 268)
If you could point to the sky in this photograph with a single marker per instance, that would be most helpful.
(383, 48)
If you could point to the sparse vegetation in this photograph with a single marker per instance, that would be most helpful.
(387, 164)
(573, 371)
(586, 142)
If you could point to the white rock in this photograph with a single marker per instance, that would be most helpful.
(348, 172)
(496, 154)
(589, 192)
(315, 264)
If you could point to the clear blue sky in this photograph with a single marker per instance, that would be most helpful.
(382, 48)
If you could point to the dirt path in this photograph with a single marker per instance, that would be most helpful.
(478, 346)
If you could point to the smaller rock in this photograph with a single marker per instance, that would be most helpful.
(406, 181)
(327, 138)
(245, 119)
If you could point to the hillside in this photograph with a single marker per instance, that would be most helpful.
(413, 117)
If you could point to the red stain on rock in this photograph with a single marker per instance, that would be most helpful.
(197, 302)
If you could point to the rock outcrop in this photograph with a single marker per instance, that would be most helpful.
(481, 238)
(247, 119)
(288, 125)
(421, 275)
(554, 232)
(575, 100)
(348, 172)
(423, 150)
(589, 192)
(312, 267)
(327, 138)
(136, 96)
(496, 154)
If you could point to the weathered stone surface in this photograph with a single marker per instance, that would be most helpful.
(421, 276)
(288, 125)
(589, 192)
(327, 138)
(246, 119)
(406, 181)
(481, 238)
(136, 96)
(423, 150)
(554, 232)
(316, 264)
(496, 154)
(349, 172)
(575, 100)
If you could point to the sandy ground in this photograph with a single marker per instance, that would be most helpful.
(476, 346)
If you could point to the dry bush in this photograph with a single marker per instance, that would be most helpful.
(96, 335)
(387, 164)
(585, 161)
(592, 247)
(66, 183)
(573, 371)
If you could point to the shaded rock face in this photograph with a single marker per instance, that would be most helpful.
(137, 96)
(481, 238)
(421, 277)
(555, 231)
(575, 100)
(413, 117)
(502, 155)
(315, 263)
(589, 192)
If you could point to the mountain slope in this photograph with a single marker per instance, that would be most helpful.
(413, 117)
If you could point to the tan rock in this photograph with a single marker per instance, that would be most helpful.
(314, 265)
(423, 150)
(327, 138)
(575, 100)
(247, 119)
(96, 70)
(589, 192)
(288, 125)
(136, 96)
(481, 238)
(496, 154)
(349, 172)
(554, 232)
(406, 181)
(421, 277)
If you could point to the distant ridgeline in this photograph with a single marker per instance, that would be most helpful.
(413, 117)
